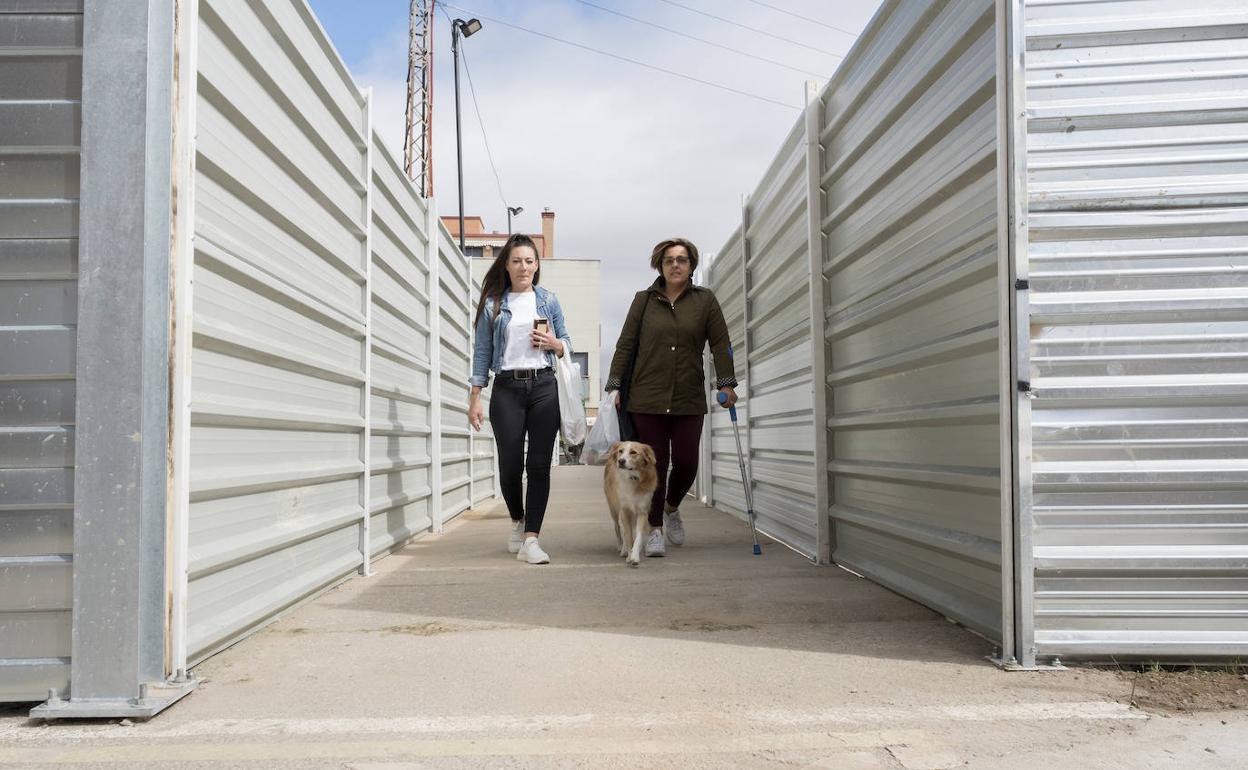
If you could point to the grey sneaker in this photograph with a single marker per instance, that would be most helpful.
(675, 528)
(516, 538)
(532, 553)
(654, 543)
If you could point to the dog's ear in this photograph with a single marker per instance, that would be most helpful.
(613, 453)
(648, 454)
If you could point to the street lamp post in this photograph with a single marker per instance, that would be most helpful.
(467, 29)
(517, 210)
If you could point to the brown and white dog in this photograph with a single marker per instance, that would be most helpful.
(629, 480)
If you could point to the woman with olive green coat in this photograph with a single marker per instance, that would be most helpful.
(669, 325)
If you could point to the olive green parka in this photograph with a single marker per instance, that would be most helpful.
(668, 376)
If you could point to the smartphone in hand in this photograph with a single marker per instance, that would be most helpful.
(541, 325)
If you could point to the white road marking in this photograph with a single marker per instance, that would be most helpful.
(956, 713)
(515, 566)
(18, 731)
(388, 749)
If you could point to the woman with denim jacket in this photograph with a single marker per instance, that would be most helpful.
(525, 400)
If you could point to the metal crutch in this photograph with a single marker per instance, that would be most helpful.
(745, 482)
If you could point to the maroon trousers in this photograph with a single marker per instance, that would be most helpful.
(674, 438)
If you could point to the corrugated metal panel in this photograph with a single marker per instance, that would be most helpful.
(780, 391)
(279, 319)
(911, 256)
(1138, 181)
(483, 471)
(456, 368)
(728, 282)
(401, 446)
(40, 102)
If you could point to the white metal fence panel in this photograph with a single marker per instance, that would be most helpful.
(40, 97)
(484, 471)
(331, 350)
(777, 351)
(322, 413)
(456, 367)
(1138, 187)
(911, 260)
(316, 408)
(728, 282)
(906, 207)
(401, 445)
(278, 389)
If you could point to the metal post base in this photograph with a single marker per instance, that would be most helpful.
(1054, 664)
(153, 699)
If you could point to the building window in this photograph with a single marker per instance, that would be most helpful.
(581, 360)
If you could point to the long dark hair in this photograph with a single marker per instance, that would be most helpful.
(497, 281)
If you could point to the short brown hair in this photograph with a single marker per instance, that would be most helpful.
(656, 256)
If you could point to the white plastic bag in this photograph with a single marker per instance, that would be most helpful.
(571, 409)
(606, 432)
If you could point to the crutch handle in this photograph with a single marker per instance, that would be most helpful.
(722, 397)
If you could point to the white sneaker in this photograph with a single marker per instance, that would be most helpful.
(516, 538)
(675, 528)
(654, 543)
(532, 553)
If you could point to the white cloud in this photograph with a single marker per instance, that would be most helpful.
(624, 155)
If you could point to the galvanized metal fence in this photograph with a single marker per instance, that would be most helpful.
(762, 278)
(723, 479)
(1137, 250)
(987, 305)
(1025, 227)
(863, 293)
(329, 381)
(281, 285)
(40, 119)
(272, 407)
(913, 312)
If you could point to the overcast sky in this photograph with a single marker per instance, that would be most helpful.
(624, 155)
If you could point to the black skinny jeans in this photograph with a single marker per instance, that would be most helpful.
(518, 407)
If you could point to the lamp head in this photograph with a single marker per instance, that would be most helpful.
(468, 28)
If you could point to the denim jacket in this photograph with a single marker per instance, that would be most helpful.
(489, 339)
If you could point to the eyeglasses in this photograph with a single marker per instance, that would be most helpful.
(673, 261)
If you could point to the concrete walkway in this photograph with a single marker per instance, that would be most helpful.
(454, 655)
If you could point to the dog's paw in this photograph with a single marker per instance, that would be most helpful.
(624, 552)
(633, 562)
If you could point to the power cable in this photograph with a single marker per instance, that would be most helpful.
(700, 40)
(752, 29)
(803, 18)
(481, 122)
(647, 65)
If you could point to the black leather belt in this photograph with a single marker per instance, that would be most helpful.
(527, 374)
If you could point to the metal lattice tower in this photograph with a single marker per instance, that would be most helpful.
(418, 133)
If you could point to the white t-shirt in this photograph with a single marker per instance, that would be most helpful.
(519, 352)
